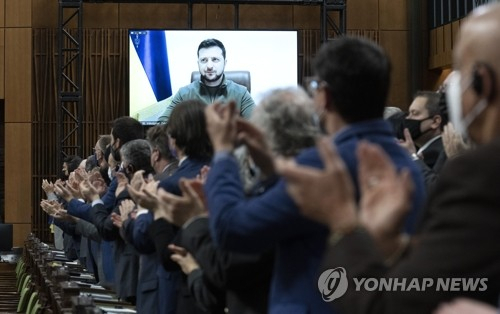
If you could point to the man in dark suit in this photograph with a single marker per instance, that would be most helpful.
(272, 220)
(459, 236)
(422, 135)
(156, 292)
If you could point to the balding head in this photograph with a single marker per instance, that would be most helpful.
(476, 59)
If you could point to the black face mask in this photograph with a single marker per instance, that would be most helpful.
(414, 127)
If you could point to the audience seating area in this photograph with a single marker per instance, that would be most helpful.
(45, 281)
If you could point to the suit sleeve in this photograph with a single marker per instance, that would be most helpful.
(163, 233)
(208, 298)
(224, 269)
(138, 235)
(68, 227)
(103, 223)
(81, 210)
(88, 230)
(250, 225)
(196, 239)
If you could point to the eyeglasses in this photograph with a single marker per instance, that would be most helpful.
(313, 84)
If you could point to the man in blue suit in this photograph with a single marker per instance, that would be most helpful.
(157, 288)
(350, 91)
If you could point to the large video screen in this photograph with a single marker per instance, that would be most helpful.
(161, 62)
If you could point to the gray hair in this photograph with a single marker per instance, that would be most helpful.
(288, 119)
(390, 111)
(138, 154)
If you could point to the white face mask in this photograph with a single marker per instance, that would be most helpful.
(110, 173)
(454, 103)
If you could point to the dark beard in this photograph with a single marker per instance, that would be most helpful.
(205, 79)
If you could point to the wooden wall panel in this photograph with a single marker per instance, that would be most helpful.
(2, 63)
(220, 16)
(393, 15)
(362, 14)
(17, 13)
(153, 15)
(439, 45)
(395, 44)
(266, 16)
(20, 233)
(49, 18)
(433, 42)
(100, 15)
(429, 78)
(18, 203)
(213, 16)
(2, 13)
(18, 56)
(448, 43)
(200, 16)
(306, 17)
(455, 26)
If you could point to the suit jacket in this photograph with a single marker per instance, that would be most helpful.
(189, 168)
(81, 210)
(154, 280)
(164, 233)
(245, 277)
(273, 219)
(208, 297)
(434, 159)
(147, 287)
(432, 155)
(459, 239)
(126, 259)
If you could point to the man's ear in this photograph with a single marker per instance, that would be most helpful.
(436, 122)
(130, 169)
(483, 81)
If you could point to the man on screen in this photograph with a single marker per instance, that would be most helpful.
(212, 86)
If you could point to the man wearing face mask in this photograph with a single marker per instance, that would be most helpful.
(422, 134)
(424, 124)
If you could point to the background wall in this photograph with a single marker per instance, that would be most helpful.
(28, 60)
(16, 90)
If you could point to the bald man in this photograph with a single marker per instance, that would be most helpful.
(457, 252)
